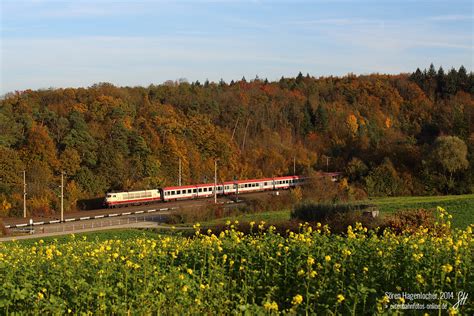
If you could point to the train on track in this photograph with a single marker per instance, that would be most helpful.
(196, 191)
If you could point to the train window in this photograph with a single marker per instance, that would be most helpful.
(194, 190)
(219, 188)
(178, 192)
(200, 190)
(172, 193)
(205, 189)
(114, 195)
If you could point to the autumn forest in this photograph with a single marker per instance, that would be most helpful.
(390, 135)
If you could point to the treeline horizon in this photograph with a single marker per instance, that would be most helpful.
(405, 134)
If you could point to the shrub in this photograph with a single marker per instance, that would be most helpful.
(322, 212)
(323, 189)
(410, 220)
(39, 206)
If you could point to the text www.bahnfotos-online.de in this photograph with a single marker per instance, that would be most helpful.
(427, 301)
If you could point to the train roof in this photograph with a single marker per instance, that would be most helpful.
(115, 192)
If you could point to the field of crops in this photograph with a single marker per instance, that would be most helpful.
(312, 271)
(460, 206)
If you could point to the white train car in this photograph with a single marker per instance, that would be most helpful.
(191, 191)
(287, 182)
(204, 190)
(117, 199)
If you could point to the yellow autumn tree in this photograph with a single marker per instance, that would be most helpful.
(351, 122)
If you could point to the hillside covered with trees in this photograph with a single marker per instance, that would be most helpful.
(401, 134)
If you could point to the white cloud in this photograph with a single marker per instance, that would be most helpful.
(450, 18)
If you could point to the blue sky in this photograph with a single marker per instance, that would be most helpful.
(54, 43)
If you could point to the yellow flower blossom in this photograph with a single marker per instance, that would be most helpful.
(271, 306)
(340, 298)
(297, 299)
(447, 268)
(385, 300)
(420, 279)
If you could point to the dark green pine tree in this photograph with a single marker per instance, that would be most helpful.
(471, 83)
(463, 79)
(441, 82)
(417, 77)
(431, 84)
(431, 71)
(452, 82)
(299, 78)
(321, 119)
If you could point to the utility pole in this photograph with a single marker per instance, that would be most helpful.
(327, 163)
(62, 196)
(24, 193)
(215, 181)
(179, 179)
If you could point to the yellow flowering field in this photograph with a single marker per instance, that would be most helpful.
(312, 271)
